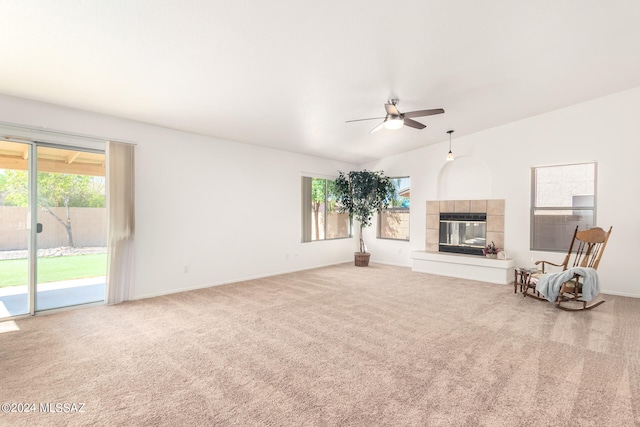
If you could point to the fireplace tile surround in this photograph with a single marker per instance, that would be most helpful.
(495, 218)
(472, 267)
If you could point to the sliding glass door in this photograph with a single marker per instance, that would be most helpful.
(53, 227)
(72, 224)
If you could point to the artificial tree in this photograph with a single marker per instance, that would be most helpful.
(361, 194)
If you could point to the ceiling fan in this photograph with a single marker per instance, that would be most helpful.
(395, 119)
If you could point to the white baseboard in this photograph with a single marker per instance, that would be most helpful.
(242, 279)
(620, 294)
(208, 285)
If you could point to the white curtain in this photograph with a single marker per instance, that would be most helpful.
(121, 214)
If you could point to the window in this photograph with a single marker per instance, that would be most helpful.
(320, 217)
(393, 222)
(563, 197)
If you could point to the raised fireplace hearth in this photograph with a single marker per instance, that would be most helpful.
(464, 266)
(464, 229)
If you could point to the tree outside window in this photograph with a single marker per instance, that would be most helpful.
(55, 190)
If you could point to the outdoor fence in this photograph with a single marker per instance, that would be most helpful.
(88, 225)
(337, 225)
(393, 223)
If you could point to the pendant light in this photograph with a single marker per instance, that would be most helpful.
(450, 155)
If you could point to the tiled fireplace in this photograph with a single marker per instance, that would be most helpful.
(493, 210)
(480, 222)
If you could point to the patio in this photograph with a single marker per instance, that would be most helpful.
(14, 299)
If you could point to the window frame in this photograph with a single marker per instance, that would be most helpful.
(534, 208)
(306, 199)
(380, 214)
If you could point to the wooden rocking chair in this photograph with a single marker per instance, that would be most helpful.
(585, 251)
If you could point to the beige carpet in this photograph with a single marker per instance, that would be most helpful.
(333, 346)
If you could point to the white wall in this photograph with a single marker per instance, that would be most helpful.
(196, 172)
(230, 211)
(606, 130)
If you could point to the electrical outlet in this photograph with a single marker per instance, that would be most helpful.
(185, 268)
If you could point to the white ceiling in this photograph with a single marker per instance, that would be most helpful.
(288, 73)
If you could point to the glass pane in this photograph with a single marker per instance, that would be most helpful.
(14, 229)
(338, 224)
(394, 224)
(567, 185)
(318, 193)
(321, 218)
(554, 228)
(71, 262)
(462, 233)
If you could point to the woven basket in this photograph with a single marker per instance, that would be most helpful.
(362, 259)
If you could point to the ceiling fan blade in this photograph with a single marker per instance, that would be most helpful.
(377, 128)
(413, 123)
(422, 113)
(391, 109)
(360, 120)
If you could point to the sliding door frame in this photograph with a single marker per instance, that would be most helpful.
(33, 254)
(32, 223)
(34, 137)
(32, 247)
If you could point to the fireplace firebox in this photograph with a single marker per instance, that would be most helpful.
(463, 233)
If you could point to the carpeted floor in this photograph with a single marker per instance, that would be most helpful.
(333, 346)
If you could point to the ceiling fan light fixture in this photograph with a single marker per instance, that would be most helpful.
(394, 123)
(394, 119)
(450, 154)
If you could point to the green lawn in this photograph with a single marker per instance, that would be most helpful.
(13, 272)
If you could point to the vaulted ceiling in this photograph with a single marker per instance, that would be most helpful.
(287, 74)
